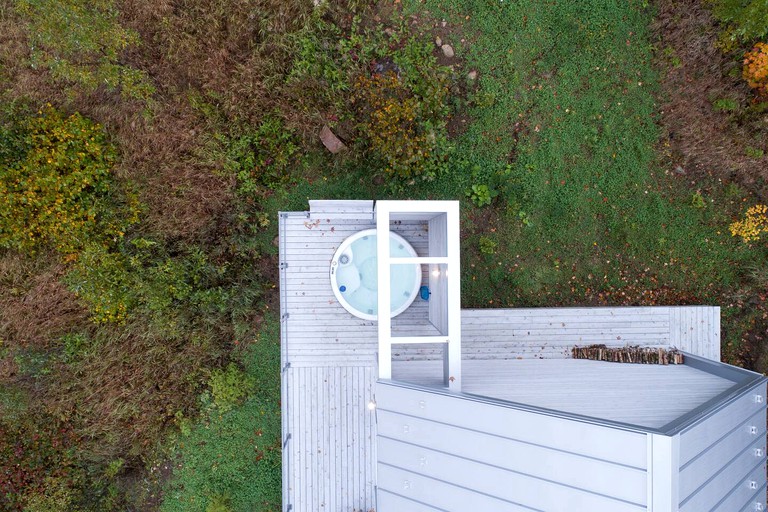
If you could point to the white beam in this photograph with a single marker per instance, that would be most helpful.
(663, 473)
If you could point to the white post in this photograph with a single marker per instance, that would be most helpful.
(384, 268)
(452, 363)
(663, 473)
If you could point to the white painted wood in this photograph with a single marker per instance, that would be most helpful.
(513, 458)
(696, 329)
(536, 461)
(721, 466)
(394, 502)
(647, 395)
(754, 502)
(443, 496)
(329, 459)
(445, 301)
(384, 268)
(479, 478)
(700, 437)
(353, 209)
(626, 447)
(733, 476)
(697, 472)
(663, 472)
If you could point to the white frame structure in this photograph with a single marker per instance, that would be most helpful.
(444, 270)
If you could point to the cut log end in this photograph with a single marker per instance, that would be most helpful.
(629, 354)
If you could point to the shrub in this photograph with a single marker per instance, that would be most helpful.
(229, 387)
(754, 224)
(404, 107)
(755, 69)
(398, 127)
(81, 42)
(259, 158)
(746, 20)
(36, 463)
(488, 245)
(481, 195)
(141, 277)
(55, 181)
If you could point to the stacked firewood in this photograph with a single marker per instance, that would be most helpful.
(628, 354)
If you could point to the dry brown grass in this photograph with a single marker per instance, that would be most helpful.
(35, 307)
(123, 394)
(706, 142)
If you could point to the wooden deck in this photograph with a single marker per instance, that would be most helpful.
(329, 356)
(638, 394)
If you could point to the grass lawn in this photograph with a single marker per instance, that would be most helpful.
(151, 336)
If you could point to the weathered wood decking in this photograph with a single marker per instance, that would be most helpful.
(329, 356)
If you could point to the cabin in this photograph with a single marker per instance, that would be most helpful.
(423, 406)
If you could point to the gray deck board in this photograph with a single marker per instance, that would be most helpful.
(329, 356)
(647, 395)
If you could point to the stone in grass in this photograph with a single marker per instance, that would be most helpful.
(438, 41)
(472, 75)
(447, 50)
(331, 141)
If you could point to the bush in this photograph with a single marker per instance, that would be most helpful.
(746, 20)
(259, 158)
(142, 277)
(81, 42)
(404, 110)
(755, 69)
(36, 463)
(754, 224)
(55, 181)
(229, 387)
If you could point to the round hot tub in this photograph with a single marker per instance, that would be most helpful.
(354, 275)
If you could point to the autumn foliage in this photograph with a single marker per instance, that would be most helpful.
(756, 68)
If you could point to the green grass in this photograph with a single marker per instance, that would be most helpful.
(233, 458)
(562, 140)
(585, 214)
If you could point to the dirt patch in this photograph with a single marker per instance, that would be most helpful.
(703, 141)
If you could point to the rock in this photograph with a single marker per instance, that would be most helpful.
(438, 41)
(472, 75)
(679, 170)
(447, 50)
(331, 141)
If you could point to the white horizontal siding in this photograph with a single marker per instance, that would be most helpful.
(718, 457)
(458, 454)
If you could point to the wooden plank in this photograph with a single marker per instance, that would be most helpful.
(698, 471)
(696, 329)
(340, 206)
(733, 476)
(481, 479)
(663, 472)
(648, 395)
(613, 445)
(331, 454)
(754, 502)
(441, 495)
(535, 461)
(701, 436)
(388, 501)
